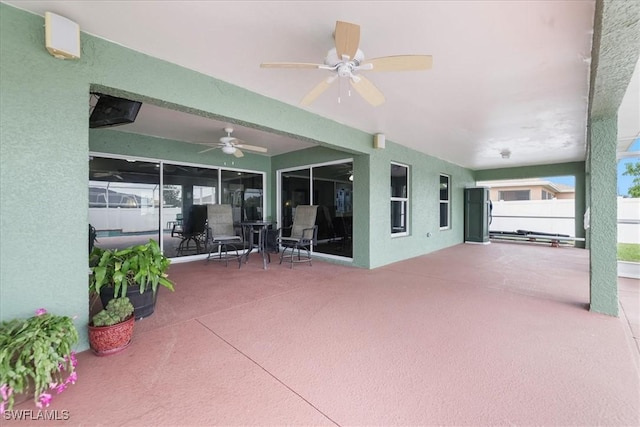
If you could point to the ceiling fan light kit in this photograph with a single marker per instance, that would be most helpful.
(346, 60)
(232, 145)
(228, 149)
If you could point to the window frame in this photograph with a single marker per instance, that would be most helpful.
(405, 200)
(446, 202)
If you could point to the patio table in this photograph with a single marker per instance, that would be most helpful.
(259, 228)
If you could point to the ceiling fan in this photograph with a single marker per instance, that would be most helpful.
(346, 60)
(108, 175)
(232, 145)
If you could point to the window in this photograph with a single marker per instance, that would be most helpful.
(546, 195)
(445, 197)
(399, 199)
(512, 195)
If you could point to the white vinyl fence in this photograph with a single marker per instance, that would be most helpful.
(557, 216)
(130, 220)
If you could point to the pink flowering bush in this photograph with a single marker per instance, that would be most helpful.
(36, 356)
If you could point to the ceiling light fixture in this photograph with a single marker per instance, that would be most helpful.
(505, 153)
(228, 149)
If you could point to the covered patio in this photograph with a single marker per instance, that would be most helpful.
(470, 335)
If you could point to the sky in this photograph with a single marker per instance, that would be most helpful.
(624, 182)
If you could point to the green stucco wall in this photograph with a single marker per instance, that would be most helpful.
(43, 174)
(424, 216)
(603, 211)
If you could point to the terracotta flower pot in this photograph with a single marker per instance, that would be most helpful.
(107, 340)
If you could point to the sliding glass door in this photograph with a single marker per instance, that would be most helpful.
(330, 187)
(125, 197)
(123, 201)
(183, 187)
(244, 192)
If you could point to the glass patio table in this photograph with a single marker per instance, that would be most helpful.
(259, 229)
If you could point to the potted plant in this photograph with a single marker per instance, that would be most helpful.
(134, 272)
(112, 328)
(36, 358)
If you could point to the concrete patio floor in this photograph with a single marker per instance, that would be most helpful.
(470, 335)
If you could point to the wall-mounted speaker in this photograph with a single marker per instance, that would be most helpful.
(378, 140)
(62, 36)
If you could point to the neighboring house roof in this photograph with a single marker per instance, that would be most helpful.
(530, 182)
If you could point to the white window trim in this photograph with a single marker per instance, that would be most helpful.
(403, 199)
(447, 202)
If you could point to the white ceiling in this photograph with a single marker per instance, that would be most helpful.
(506, 75)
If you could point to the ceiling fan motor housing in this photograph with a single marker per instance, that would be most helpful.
(332, 58)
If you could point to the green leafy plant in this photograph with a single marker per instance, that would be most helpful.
(116, 311)
(633, 169)
(142, 265)
(36, 355)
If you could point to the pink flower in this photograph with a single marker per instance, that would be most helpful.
(40, 311)
(5, 392)
(62, 387)
(43, 400)
(73, 377)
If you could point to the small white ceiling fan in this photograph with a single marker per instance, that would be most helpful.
(108, 175)
(232, 145)
(346, 60)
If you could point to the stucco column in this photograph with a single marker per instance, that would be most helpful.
(604, 216)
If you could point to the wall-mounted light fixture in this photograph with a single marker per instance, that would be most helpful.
(378, 140)
(62, 36)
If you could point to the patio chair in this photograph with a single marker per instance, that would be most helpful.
(304, 234)
(194, 229)
(223, 240)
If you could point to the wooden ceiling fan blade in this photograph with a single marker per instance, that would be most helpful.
(367, 90)
(290, 65)
(347, 38)
(238, 153)
(207, 149)
(318, 90)
(253, 148)
(400, 63)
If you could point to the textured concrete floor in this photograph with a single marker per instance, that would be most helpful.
(470, 335)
